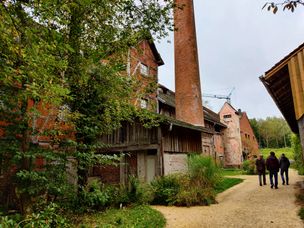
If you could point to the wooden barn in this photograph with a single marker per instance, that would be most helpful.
(285, 83)
(212, 133)
(149, 152)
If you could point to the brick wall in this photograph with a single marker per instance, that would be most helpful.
(249, 141)
(232, 136)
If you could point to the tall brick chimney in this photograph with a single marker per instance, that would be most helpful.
(187, 79)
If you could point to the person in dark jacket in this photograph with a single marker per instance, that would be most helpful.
(260, 166)
(272, 164)
(284, 165)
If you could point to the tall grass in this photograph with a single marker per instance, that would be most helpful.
(203, 171)
(196, 187)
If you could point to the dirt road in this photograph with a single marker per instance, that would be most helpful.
(244, 205)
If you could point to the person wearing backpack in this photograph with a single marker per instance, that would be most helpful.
(273, 166)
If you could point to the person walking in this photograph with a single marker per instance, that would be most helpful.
(273, 166)
(284, 165)
(260, 166)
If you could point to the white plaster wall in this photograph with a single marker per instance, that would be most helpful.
(175, 163)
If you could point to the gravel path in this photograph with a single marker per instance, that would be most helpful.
(244, 205)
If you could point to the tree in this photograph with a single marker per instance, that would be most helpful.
(271, 132)
(56, 54)
(288, 4)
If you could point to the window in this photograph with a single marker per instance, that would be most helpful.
(144, 69)
(144, 103)
(227, 116)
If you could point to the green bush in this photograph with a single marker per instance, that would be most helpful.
(249, 167)
(165, 189)
(196, 187)
(203, 171)
(98, 196)
(92, 198)
(49, 217)
(298, 155)
(301, 213)
(137, 192)
(192, 193)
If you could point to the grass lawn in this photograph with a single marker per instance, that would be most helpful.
(278, 151)
(231, 172)
(226, 183)
(138, 216)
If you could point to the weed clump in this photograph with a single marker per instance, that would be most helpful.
(196, 187)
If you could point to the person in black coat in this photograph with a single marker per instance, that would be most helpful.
(284, 165)
(272, 164)
(260, 166)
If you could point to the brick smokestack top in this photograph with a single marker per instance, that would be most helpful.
(188, 97)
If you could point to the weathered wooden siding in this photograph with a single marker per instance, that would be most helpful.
(181, 140)
(132, 134)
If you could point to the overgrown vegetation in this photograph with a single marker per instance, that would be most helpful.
(63, 83)
(300, 198)
(298, 154)
(99, 202)
(197, 187)
(48, 216)
(249, 167)
(138, 216)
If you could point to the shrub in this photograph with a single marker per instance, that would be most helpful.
(301, 213)
(191, 193)
(165, 189)
(92, 198)
(193, 188)
(49, 217)
(203, 171)
(298, 155)
(137, 192)
(249, 167)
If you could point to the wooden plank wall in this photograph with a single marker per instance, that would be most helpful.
(296, 72)
(181, 140)
(131, 134)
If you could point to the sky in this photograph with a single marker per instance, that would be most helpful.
(237, 43)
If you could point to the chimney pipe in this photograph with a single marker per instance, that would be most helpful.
(188, 96)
